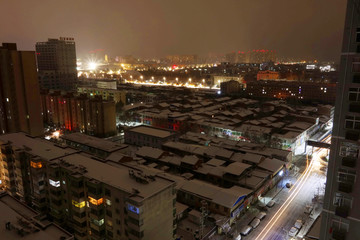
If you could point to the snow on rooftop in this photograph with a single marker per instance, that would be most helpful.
(155, 132)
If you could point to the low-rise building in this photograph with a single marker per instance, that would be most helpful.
(148, 136)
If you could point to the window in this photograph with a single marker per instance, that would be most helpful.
(352, 122)
(98, 222)
(356, 78)
(354, 94)
(108, 202)
(133, 209)
(78, 204)
(346, 176)
(35, 164)
(349, 150)
(107, 192)
(108, 213)
(54, 183)
(358, 35)
(96, 201)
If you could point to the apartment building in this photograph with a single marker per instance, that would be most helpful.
(71, 112)
(341, 213)
(19, 92)
(23, 222)
(95, 198)
(56, 59)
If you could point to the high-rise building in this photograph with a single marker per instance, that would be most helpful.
(90, 115)
(19, 92)
(341, 213)
(94, 198)
(56, 61)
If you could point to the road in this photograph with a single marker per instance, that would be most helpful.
(291, 207)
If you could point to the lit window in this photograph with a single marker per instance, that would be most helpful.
(133, 208)
(96, 201)
(7, 99)
(54, 183)
(78, 204)
(108, 202)
(98, 222)
(35, 164)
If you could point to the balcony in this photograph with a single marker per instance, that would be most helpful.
(348, 162)
(342, 211)
(345, 187)
(339, 234)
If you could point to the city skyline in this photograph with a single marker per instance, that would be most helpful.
(157, 29)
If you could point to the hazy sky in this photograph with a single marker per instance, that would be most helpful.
(295, 28)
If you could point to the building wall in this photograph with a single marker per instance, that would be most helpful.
(56, 60)
(71, 112)
(341, 213)
(20, 95)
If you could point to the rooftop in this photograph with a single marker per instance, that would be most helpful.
(117, 175)
(23, 222)
(155, 132)
(94, 142)
(36, 146)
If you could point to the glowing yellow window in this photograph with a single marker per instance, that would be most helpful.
(78, 204)
(96, 201)
(35, 164)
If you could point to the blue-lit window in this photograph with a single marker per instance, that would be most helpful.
(133, 208)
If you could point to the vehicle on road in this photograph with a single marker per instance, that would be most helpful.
(245, 230)
(261, 215)
(254, 223)
(270, 204)
(298, 224)
(293, 231)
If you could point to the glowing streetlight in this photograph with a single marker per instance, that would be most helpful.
(131, 76)
(189, 79)
(177, 79)
(141, 77)
(164, 78)
(203, 80)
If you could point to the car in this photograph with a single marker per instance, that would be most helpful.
(254, 223)
(298, 223)
(261, 215)
(270, 204)
(238, 237)
(293, 231)
(245, 230)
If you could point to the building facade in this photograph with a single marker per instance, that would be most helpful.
(341, 213)
(19, 92)
(71, 112)
(307, 91)
(94, 199)
(56, 61)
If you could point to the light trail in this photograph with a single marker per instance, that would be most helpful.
(298, 186)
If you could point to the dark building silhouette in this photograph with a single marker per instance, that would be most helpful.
(341, 213)
(19, 92)
(56, 61)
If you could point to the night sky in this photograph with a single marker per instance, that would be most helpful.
(155, 28)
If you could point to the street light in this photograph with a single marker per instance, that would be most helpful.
(189, 79)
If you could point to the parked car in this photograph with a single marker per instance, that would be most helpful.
(271, 203)
(254, 223)
(298, 224)
(245, 230)
(261, 215)
(293, 231)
